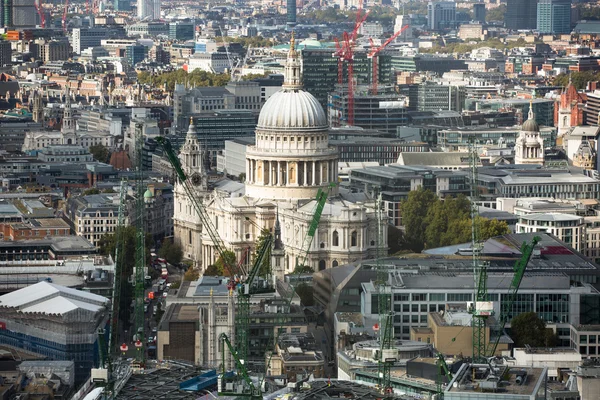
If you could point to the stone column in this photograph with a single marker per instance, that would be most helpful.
(278, 173)
(314, 175)
(305, 164)
(297, 173)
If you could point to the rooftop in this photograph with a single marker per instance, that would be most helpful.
(555, 217)
(484, 379)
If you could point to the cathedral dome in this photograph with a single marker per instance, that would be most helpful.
(290, 109)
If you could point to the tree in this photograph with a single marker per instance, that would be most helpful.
(192, 274)
(100, 152)
(228, 258)
(265, 266)
(492, 227)
(306, 294)
(414, 215)
(211, 270)
(171, 252)
(107, 245)
(578, 79)
(496, 14)
(304, 269)
(90, 191)
(242, 177)
(528, 328)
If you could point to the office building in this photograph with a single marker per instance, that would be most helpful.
(434, 97)
(382, 112)
(215, 62)
(181, 30)
(591, 111)
(84, 38)
(426, 62)
(147, 28)
(521, 14)
(23, 14)
(56, 322)
(135, 53)
(5, 53)
(453, 139)
(441, 15)
(53, 50)
(568, 228)
(479, 12)
(122, 5)
(93, 216)
(320, 71)
(291, 13)
(148, 9)
(554, 16)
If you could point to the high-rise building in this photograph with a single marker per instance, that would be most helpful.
(554, 16)
(441, 15)
(291, 13)
(520, 14)
(122, 5)
(181, 30)
(135, 53)
(23, 13)
(5, 53)
(479, 12)
(148, 9)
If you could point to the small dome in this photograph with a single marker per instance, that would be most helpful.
(148, 194)
(292, 109)
(530, 126)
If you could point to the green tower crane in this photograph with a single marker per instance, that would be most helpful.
(480, 316)
(140, 247)
(519, 268)
(386, 356)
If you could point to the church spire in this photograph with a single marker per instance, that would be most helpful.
(292, 79)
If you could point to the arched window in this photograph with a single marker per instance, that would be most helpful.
(321, 265)
(334, 264)
(353, 239)
(336, 239)
(322, 245)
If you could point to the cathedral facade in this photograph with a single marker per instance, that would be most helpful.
(289, 164)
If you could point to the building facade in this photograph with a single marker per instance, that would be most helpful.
(554, 16)
(84, 38)
(529, 148)
(441, 15)
(521, 14)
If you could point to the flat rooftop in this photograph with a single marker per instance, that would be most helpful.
(534, 378)
(160, 383)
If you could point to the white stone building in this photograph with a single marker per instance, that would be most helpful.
(289, 164)
(529, 148)
(568, 228)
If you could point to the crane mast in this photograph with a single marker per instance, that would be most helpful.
(519, 268)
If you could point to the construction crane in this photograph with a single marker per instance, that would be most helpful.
(64, 16)
(226, 387)
(374, 56)
(40, 10)
(207, 224)
(443, 371)
(345, 53)
(140, 247)
(386, 356)
(314, 224)
(519, 268)
(478, 321)
(245, 290)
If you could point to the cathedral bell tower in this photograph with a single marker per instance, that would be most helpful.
(38, 108)
(69, 136)
(193, 157)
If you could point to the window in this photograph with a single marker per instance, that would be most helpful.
(415, 308)
(190, 237)
(336, 238)
(437, 296)
(424, 308)
(353, 239)
(419, 297)
(401, 297)
(459, 296)
(414, 319)
(405, 308)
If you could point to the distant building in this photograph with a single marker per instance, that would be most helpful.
(554, 16)
(433, 97)
(479, 12)
(84, 38)
(54, 50)
(148, 9)
(122, 5)
(209, 62)
(181, 30)
(24, 14)
(568, 228)
(135, 53)
(521, 14)
(93, 216)
(55, 321)
(296, 356)
(291, 13)
(441, 15)
(5, 53)
(529, 148)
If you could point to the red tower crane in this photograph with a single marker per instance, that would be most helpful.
(64, 16)
(345, 52)
(40, 11)
(374, 55)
